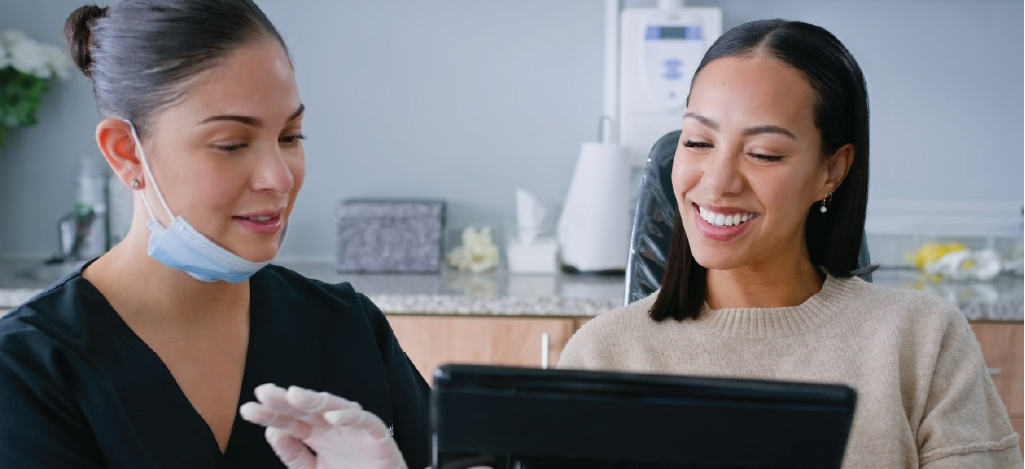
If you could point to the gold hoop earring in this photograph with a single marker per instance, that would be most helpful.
(828, 198)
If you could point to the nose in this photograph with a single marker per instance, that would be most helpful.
(722, 175)
(275, 172)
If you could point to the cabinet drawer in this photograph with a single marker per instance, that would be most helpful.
(1002, 345)
(430, 341)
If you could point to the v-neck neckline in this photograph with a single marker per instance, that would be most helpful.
(166, 388)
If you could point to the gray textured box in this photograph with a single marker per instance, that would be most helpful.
(390, 236)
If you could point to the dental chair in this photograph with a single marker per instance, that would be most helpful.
(653, 224)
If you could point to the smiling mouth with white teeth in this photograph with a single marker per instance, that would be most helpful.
(718, 219)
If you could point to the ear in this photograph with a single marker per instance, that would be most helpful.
(114, 138)
(837, 167)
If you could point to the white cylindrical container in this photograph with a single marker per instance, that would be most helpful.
(594, 227)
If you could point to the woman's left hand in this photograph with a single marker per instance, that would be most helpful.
(343, 435)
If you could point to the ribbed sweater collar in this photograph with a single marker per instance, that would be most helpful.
(763, 323)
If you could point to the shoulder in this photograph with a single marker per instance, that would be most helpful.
(630, 315)
(57, 315)
(887, 304)
(276, 276)
(46, 343)
(611, 337)
(926, 331)
(280, 284)
(324, 305)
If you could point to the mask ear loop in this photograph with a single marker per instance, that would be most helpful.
(149, 174)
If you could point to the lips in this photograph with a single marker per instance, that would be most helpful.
(261, 216)
(724, 219)
(261, 222)
(718, 224)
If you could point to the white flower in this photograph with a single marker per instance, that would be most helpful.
(59, 63)
(477, 253)
(31, 57)
(12, 36)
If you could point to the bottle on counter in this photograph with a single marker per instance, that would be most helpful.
(1015, 262)
(119, 209)
(91, 197)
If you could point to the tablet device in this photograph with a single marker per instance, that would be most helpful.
(528, 418)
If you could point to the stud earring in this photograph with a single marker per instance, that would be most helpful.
(827, 198)
(134, 184)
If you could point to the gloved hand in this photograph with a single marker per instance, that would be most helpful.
(343, 435)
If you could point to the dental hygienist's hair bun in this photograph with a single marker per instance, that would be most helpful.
(141, 55)
(78, 34)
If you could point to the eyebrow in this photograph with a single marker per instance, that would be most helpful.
(761, 129)
(768, 129)
(251, 120)
(702, 119)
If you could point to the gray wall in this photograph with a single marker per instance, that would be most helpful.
(466, 100)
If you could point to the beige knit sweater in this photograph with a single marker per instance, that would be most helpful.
(924, 396)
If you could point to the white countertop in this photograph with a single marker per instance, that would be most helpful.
(558, 295)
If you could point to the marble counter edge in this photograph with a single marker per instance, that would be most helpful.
(13, 297)
(464, 305)
(406, 304)
(468, 305)
(540, 306)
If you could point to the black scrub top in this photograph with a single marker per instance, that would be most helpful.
(79, 389)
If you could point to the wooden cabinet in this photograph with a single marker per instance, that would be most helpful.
(430, 341)
(1002, 348)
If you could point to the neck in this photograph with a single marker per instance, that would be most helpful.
(753, 287)
(141, 288)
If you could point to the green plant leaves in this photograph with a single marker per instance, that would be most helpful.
(20, 95)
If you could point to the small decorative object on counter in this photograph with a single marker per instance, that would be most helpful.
(27, 68)
(966, 264)
(390, 236)
(477, 253)
(954, 261)
(930, 252)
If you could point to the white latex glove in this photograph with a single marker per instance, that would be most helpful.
(343, 435)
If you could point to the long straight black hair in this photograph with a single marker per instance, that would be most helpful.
(841, 116)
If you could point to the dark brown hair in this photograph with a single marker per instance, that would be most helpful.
(841, 116)
(139, 54)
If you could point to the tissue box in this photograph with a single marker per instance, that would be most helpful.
(538, 257)
(390, 236)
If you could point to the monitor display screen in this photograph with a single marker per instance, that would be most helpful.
(526, 418)
(677, 33)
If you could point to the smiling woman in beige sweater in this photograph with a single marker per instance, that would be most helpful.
(771, 181)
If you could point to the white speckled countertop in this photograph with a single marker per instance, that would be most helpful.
(494, 293)
(562, 295)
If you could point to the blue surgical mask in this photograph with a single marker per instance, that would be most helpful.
(182, 247)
